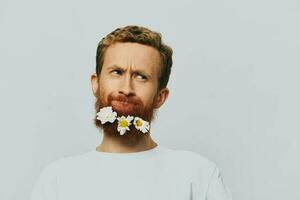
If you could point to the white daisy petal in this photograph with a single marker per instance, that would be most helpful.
(106, 114)
(141, 124)
(124, 123)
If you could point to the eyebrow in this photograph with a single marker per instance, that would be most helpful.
(134, 71)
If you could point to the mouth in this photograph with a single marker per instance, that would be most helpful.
(122, 107)
(121, 104)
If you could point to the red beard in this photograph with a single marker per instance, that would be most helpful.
(123, 105)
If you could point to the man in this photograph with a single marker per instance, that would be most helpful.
(130, 83)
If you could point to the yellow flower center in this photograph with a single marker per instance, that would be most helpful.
(139, 123)
(123, 123)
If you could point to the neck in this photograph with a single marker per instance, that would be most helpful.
(126, 143)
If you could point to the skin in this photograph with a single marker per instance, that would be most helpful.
(130, 69)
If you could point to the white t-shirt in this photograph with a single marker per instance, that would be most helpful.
(156, 174)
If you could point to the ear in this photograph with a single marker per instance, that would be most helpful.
(161, 97)
(95, 84)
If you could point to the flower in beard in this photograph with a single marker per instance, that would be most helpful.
(106, 114)
(141, 124)
(124, 123)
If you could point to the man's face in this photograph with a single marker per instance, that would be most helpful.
(129, 82)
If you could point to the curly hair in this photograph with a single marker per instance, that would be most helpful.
(141, 35)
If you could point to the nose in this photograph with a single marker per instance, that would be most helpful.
(126, 87)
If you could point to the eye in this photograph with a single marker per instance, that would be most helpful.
(116, 71)
(141, 76)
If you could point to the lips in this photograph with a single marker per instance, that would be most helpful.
(123, 103)
(123, 107)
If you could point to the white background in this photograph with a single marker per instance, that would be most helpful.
(234, 86)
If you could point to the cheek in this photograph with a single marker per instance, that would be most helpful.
(105, 84)
(108, 84)
(147, 95)
(103, 92)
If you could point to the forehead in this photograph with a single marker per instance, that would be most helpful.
(134, 55)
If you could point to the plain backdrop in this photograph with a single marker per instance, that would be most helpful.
(234, 87)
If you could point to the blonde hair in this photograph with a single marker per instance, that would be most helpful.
(142, 35)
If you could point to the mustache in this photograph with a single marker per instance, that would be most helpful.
(123, 98)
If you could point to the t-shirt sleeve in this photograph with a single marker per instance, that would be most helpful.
(45, 186)
(217, 189)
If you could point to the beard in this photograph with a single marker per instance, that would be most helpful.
(133, 106)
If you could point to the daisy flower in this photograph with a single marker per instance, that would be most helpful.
(124, 123)
(106, 114)
(141, 124)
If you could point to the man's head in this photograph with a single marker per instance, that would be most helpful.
(132, 71)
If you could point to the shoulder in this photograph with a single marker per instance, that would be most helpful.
(191, 157)
(193, 161)
(55, 166)
(47, 182)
